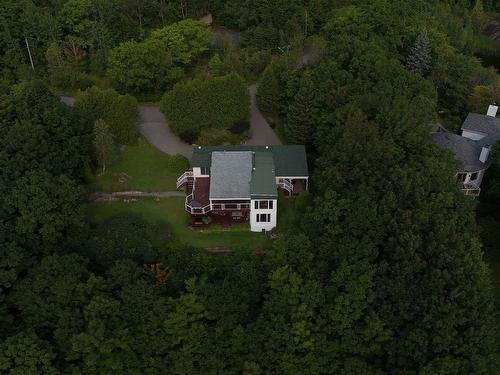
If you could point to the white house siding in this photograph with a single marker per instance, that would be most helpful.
(477, 181)
(197, 172)
(259, 226)
(473, 135)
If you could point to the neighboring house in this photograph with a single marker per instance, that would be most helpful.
(472, 148)
(240, 183)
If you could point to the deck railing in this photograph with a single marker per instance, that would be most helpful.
(195, 210)
(471, 189)
(285, 184)
(184, 178)
(230, 206)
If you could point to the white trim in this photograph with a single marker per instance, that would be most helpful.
(473, 134)
(229, 199)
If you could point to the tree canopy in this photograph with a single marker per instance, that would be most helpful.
(379, 269)
(120, 112)
(215, 102)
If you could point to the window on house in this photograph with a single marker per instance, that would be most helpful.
(473, 176)
(204, 171)
(263, 205)
(461, 176)
(263, 218)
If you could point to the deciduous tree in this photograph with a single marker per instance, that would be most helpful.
(184, 40)
(103, 143)
(140, 67)
(120, 112)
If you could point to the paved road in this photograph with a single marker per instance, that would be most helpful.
(262, 133)
(153, 125)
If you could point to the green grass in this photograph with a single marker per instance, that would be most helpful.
(171, 212)
(291, 210)
(142, 167)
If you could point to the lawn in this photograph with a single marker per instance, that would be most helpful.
(140, 167)
(291, 210)
(171, 212)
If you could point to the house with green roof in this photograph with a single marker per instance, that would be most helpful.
(232, 184)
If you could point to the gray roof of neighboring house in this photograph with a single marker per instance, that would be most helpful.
(481, 123)
(289, 160)
(230, 174)
(263, 183)
(465, 150)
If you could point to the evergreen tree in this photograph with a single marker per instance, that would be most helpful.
(216, 66)
(270, 89)
(478, 16)
(103, 143)
(419, 59)
(299, 124)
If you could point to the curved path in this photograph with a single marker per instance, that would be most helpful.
(154, 127)
(262, 133)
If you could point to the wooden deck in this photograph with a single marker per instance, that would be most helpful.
(202, 190)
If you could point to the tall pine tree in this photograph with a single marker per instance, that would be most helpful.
(299, 123)
(419, 59)
(270, 89)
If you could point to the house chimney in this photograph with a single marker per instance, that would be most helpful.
(492, 110)
(485, 151)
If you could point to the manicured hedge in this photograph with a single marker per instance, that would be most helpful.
(216, 102)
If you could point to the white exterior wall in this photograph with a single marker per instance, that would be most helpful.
(197, 172)
(258, 227)
(480, 176)
(473, 135)
(478, 180)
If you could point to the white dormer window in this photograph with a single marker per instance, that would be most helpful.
(492, 110)
(485, 151)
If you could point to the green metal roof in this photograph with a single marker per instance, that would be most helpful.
(263, 182)
(289, 160)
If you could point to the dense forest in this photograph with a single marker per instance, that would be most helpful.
(383, 270)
